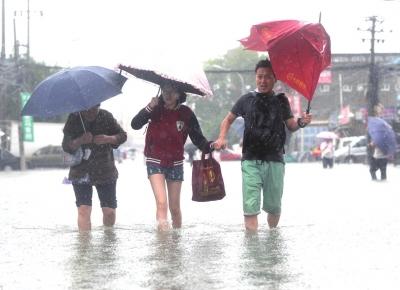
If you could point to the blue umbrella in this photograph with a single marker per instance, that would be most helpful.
(73, 90)
(382, 135)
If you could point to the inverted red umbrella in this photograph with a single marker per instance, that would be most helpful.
(298, 51)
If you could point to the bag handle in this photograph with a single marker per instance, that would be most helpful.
(203, 155)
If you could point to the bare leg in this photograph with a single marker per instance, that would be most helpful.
(174, 197)
(273, 220)
(108, 216)
(251, 223)
(84, 223)
(157, 182)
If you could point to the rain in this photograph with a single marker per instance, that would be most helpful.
(339, 224)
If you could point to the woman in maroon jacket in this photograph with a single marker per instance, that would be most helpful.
(170, 123)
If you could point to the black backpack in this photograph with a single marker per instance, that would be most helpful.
(265, 129)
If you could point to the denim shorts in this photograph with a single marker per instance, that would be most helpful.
(106, 193)
(174, 173)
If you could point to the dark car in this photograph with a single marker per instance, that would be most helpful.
(49, 156)
(8, 161)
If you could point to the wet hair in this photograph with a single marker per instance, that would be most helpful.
(182, 97)
(266, 63)
(182, 94)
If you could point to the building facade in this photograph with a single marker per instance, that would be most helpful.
(340, 101)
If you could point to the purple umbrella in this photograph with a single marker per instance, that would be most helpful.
(382, 135)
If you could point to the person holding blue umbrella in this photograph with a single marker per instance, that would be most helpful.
(89, 130)
(96, 133)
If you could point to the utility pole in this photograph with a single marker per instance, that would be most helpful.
(373, 79)
(28, 26)
(16, 43)
(3, 31)
(372, 93)
(28, 18)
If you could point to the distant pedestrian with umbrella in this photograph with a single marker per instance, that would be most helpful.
(265, 113)
(383, 143)
(327, 148)
(169, 124)
(89, 130)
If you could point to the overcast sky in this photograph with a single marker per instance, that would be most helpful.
(105, 32)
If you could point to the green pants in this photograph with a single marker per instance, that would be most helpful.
(260, 175)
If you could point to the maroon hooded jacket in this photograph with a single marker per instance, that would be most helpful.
(167, 133)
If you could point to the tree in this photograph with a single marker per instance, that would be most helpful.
(20, 76)
(230, 77)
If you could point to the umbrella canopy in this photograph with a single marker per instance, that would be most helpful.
(298, 51)
(382, 135)
(189, 81)
(327, 135)
(73, 90)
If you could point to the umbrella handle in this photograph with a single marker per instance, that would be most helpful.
(308, 107)
(83, 124)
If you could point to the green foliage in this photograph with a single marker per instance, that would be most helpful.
(21, 76)
(230, 77)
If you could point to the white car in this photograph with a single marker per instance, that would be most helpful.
(351, 150)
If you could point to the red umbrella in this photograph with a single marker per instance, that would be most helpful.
(298, 51)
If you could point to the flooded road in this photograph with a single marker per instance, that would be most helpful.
(338, 230)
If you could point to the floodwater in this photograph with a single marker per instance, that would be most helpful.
(339, 230)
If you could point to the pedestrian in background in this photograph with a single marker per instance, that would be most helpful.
(378, 161)
(327, 152)
(96, 133)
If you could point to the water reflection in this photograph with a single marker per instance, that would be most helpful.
(94, 259)
(185, 259)
(265, 260)
(165, 261)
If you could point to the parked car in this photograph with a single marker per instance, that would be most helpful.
(49, 156)
(8, 161)
(351, 150)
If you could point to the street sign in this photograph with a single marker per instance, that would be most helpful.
(27, 121)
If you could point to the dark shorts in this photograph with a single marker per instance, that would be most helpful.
(174, 173)
(106, 193)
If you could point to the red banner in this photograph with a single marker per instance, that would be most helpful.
(325, 77)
